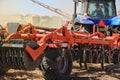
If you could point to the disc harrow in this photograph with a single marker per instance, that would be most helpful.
(13, 55)
(34, 47)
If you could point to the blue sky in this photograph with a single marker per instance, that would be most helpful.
(28, 7)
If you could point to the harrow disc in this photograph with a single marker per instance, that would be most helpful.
(13, 55)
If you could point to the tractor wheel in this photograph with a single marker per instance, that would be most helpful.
(56, 64)
(116, 58)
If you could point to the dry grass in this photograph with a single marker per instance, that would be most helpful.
(95, 73)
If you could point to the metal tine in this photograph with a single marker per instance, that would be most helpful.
(17, 61)
(7, 57)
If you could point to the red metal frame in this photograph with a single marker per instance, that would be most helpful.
(63, 35)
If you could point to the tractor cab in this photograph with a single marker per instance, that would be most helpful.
(94, 12)
(100, 9)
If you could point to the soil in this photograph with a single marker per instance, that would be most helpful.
(112, 72)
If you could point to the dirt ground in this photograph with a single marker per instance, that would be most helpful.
(112, 72)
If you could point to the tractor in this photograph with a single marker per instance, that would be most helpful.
(102, 14)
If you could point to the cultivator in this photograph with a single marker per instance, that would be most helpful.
(92, 39)
(33, 47)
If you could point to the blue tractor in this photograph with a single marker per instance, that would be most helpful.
(95, 16)
(101, 13)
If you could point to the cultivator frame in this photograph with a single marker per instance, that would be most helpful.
(33, 43)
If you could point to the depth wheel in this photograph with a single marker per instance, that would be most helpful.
(56, 64)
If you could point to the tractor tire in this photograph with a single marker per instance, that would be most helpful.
(116, 58)
(56, 65)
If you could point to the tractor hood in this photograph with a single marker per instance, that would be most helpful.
(83, 19)
(97, 21)
(115, 21)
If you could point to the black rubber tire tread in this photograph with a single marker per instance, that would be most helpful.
(52, 74)
(116, 57)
